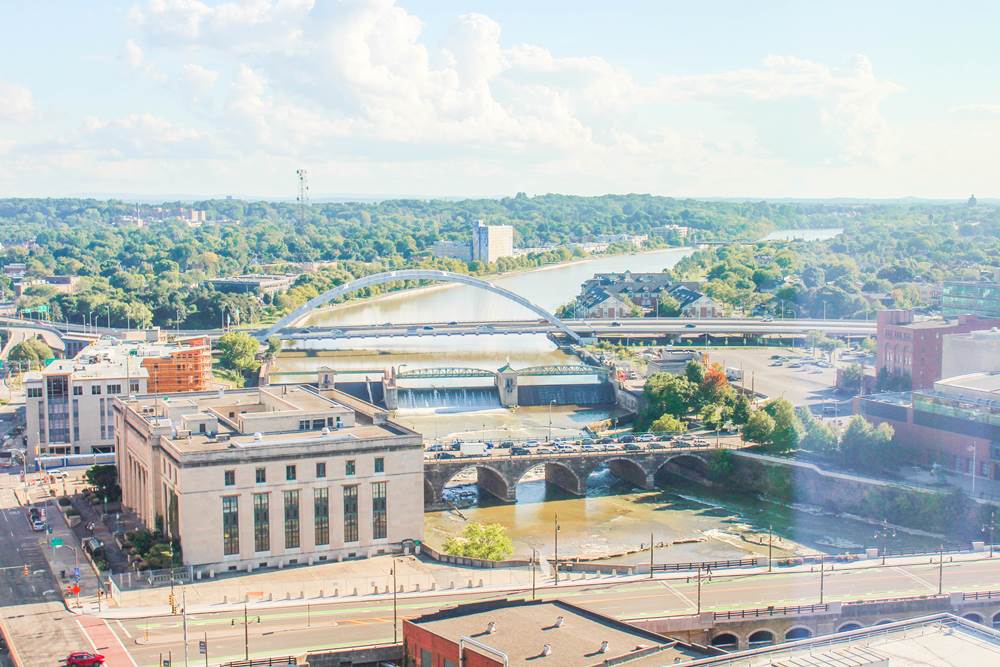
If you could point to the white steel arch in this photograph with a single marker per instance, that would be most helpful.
(411, 274)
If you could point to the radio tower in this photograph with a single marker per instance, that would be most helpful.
(303, 198)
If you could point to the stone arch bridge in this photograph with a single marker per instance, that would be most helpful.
(499, 475)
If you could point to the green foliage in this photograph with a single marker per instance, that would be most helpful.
(759, 427)
(239, 351)
(741, 409)
(670, 394)
(787, 427)
(273, 346)
(667, 423)
(895, 380)
(668, 306)
(817, 436)
(104, 480)
(31, 350)
(488, 541)
(852, 377)
(694, 371)
(720, 465)
(868, 447)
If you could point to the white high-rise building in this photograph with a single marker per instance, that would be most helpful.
(491, 242)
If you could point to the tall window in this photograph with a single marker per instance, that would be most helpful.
(320, 470)
(230, 525)
(379, 530)
(321, 514)
(350, 514)
(261, 522)
(292, 519)
(76, 417)
(349, 468)
(290, 473)
(260, 476)
(379, 464)
(229, 478)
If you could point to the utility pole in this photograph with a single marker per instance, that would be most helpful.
(395, 632)
(699, 588)
(770, 541)
(303, 198)
(534, 568)
(556, 531)
(993, 521)
(941, 571)
(650, 555)
(822, 573)
(184, 620)
(246, 634)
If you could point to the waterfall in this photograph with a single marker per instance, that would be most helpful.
(460, 399)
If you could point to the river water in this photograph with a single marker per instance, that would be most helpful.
(612, 518)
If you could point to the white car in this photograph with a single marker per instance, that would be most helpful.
(38, 525)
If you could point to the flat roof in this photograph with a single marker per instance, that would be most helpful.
(524, 627)
(112, 358)
(981, 382)
(943, 640)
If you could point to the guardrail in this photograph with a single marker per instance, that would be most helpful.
(771, 611)
(708, 565)
(264, 662)
(981, 595)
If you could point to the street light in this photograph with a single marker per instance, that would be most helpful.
(556, 532)
(395, 631)
(884, 532)
(989, 528)
(551, 403)
(76, 557)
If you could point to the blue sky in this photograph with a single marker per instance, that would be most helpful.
(453, 98)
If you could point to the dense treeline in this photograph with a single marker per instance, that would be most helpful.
(155, 274)
(891, 256)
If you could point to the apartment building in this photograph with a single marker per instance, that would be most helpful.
(270, 476)
(491, 242)
(68, 404)
(980, 297)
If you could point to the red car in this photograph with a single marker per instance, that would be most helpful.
(84, 659)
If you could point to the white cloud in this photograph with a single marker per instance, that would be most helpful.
(983, 109)
(143, 136)
(16, 103)
(134, 55)
(200, 79)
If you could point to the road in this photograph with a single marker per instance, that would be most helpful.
(294, 630)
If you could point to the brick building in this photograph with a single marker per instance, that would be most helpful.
(913, 347)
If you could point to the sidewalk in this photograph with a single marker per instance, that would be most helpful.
(568, 580)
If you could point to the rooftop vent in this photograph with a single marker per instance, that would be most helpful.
(546, 650)
(491, 627)
(559, 621)
(604, 647)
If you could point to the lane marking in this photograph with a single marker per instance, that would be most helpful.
(124, 629)
(86, 635)
(120, 643)
(919, 580)
(685, 599)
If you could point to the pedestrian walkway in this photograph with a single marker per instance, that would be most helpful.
(92, 525)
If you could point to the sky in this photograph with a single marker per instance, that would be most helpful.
(454, 98)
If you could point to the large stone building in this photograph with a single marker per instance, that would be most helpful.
(953, 424)
(973, 352)
(257, 284)
(269, 477)
(912, 348)
(491, 242)
(68, 404)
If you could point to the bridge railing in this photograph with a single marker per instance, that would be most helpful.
(771, 611)
(981, 595)
(708, 565)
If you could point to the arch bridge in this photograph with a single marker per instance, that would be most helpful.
(412, 274)
(499, 475)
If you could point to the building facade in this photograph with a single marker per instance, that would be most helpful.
(980, 298)
(269, 477)
(955, 424)
(491, 242)
(258, 284)
(911, 347)
(69, 404)
(973, 352)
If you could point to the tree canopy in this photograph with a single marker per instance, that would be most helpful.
(488, 541)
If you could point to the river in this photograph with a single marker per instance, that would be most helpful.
(611, 518)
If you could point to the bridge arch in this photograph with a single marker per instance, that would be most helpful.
(996, 621)
(488, 479)
(798, 632)
(759, 638)
(848, 627)
(630, 470)
(411, 274)
(682, 464)
(974, 617)
(727, 641)
(559, 473)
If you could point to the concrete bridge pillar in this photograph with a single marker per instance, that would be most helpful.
(507, 386)
(390, 389)
(633, 472)
(496, 485)
(327, 378)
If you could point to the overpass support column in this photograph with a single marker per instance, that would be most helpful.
(507, 386)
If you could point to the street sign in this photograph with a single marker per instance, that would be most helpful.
(166, 662)
(202, 647)
(76, 573)
(57, 542)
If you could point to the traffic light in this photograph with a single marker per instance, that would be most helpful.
(26, 573)
(173, 603)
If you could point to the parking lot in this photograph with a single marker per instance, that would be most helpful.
(798, 378)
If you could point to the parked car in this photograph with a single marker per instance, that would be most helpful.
(616, 324)
(38, 525)
(627, 438)
(590, 448)
(605, 441)
(84, 659)
(445, 455)
(531, 443)
(436, 447)
(519, 451)
(632, 447)
(506, 444)
(646, 437)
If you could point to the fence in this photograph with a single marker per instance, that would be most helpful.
(483, 563)
(771, 611)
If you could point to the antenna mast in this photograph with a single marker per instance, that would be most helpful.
(303, 198)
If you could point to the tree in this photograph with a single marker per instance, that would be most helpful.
(817, 436)
(759, 427)
(239, 351)
(488, 541)
(787, 426)
(851, 378)
(273, 346)
(741, 409)
(104, 480)
(667, 305)
(667, 423)
(32, 350)
(694, 371)
(714, 385)
(867, 447)
(667, 393)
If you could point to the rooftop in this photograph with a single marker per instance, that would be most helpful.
(522, 629)
(985, 383)
(110, 358)
(942, 640)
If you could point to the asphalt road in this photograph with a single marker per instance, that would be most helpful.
(298, 629)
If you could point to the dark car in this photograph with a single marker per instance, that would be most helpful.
(445, 455)
(436, 447)
(455, 446)
(84, 659)
(506, 444)
(616, 324)
(606, 441)
(632, 447)
(627, 438)
(519, 451)
(428, 327)
(690, 326)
